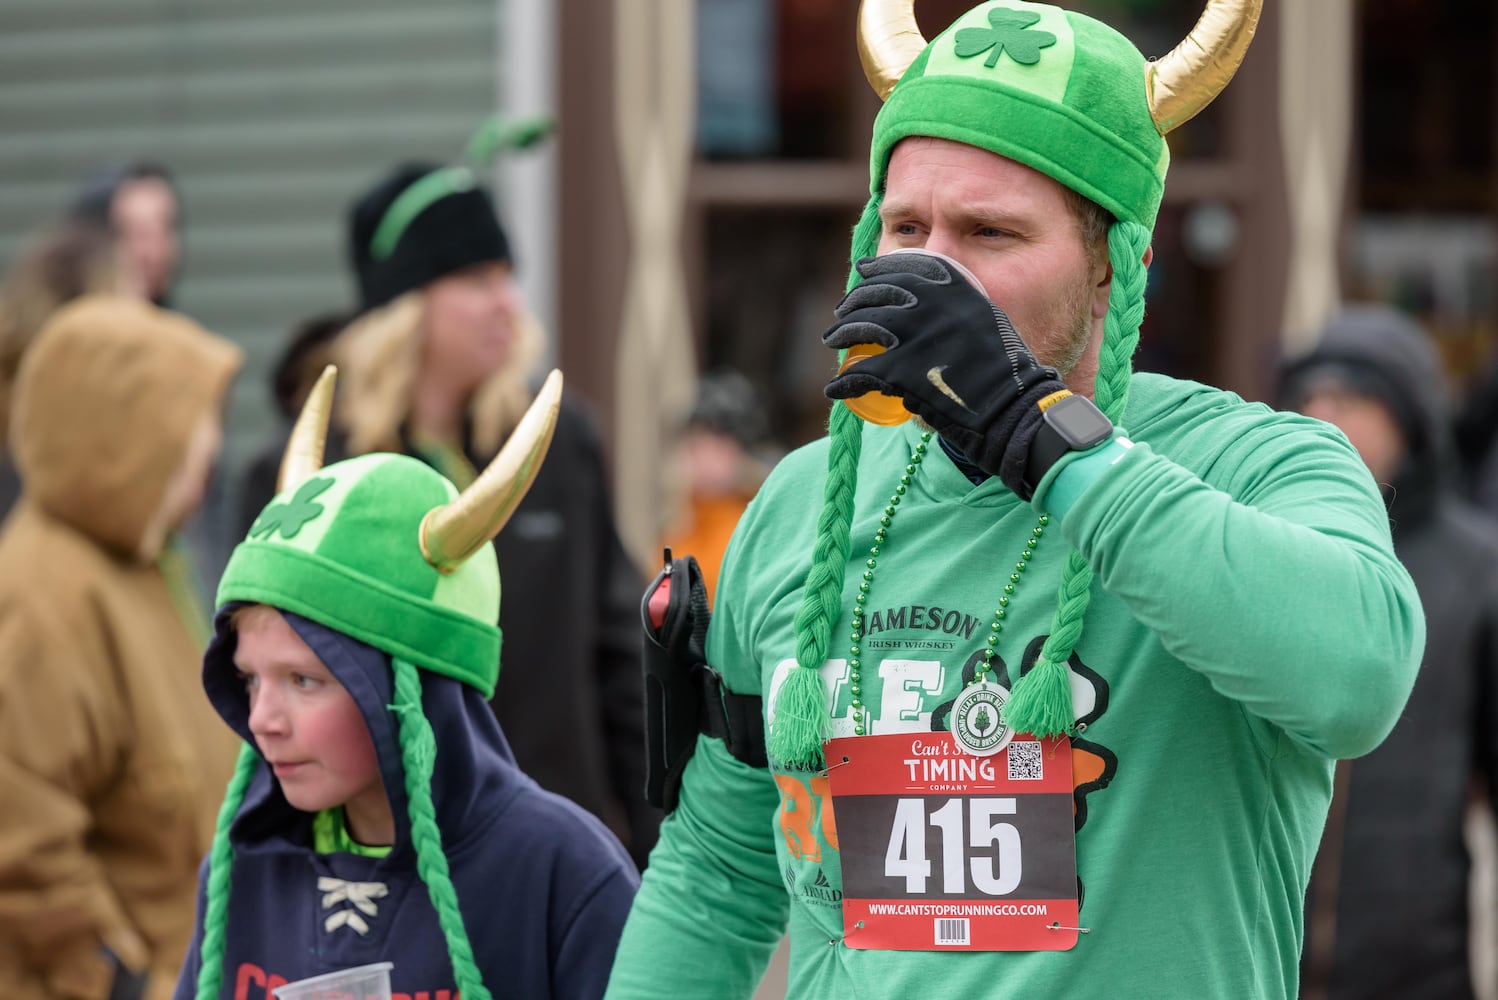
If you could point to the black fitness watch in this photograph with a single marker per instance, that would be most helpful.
(1072, 423)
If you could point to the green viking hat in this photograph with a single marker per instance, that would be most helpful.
(329, 546)
(386, 550)
(1075, 100)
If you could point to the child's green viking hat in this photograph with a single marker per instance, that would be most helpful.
(427, 602)
(386, 550)
(1073, 99)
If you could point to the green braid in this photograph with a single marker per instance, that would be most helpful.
(418, 752)
(801, 712)
(1040, 701)
(1127, 244)
(220, 860)
(865, 238)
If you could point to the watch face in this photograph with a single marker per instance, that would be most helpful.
(1079, 421)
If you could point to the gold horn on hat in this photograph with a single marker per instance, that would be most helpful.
(888, 41)
(456, 530)
(1190, 77)
(309, 435)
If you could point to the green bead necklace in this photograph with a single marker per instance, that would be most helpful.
(996, 627)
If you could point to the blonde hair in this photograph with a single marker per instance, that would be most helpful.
(244, 612)
(378, 356)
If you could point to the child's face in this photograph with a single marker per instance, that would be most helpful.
(309, 728)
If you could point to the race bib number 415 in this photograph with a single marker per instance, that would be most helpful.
(943, 851)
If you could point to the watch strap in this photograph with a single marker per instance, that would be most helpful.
(1052, 442)
(1046, 449)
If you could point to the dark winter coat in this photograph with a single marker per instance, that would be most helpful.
(542, 887)
(1393, 853)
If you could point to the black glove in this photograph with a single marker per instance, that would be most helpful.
(952, 356)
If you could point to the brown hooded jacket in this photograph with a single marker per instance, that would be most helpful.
(111, 760)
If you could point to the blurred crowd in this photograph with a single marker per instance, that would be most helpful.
(111, 763)
(113, 406)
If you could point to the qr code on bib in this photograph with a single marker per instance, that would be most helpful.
(1025, 762)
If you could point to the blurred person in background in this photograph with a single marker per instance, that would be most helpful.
(62, 261)
(139, 202)
(306, 355)
(111, 761)
(1387, 910)
(720, 464)
(1477, 439)
(438, 365)
(308, 350)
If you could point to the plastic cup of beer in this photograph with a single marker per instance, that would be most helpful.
(366, 982)
(881, 408)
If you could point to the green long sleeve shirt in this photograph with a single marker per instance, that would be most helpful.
(1249, 625)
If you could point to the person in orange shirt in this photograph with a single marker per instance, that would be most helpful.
(720, 461)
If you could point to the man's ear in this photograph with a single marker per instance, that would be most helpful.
(1101, 290)
(1104, 286)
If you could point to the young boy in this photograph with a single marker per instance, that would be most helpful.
(376, 813)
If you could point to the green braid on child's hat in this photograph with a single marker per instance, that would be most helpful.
(1073, 99)
(384, 549)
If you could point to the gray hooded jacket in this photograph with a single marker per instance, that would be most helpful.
(1393, 854)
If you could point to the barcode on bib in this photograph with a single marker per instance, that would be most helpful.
(1024, 761)
(951, 931)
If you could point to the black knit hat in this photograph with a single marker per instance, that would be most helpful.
(420, 223)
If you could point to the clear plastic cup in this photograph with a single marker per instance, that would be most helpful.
(953, 262)
(876, 407)
(367, 982)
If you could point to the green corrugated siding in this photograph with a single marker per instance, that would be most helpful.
(272, 113)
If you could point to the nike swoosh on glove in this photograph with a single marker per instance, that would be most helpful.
(951, 355)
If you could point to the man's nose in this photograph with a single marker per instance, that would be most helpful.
(941, 241)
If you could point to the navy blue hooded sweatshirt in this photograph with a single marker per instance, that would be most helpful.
(543, 886)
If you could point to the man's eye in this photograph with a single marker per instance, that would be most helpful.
(304, 683)
(248, 680)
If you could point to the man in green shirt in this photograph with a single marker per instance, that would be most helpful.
(1054, 684)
